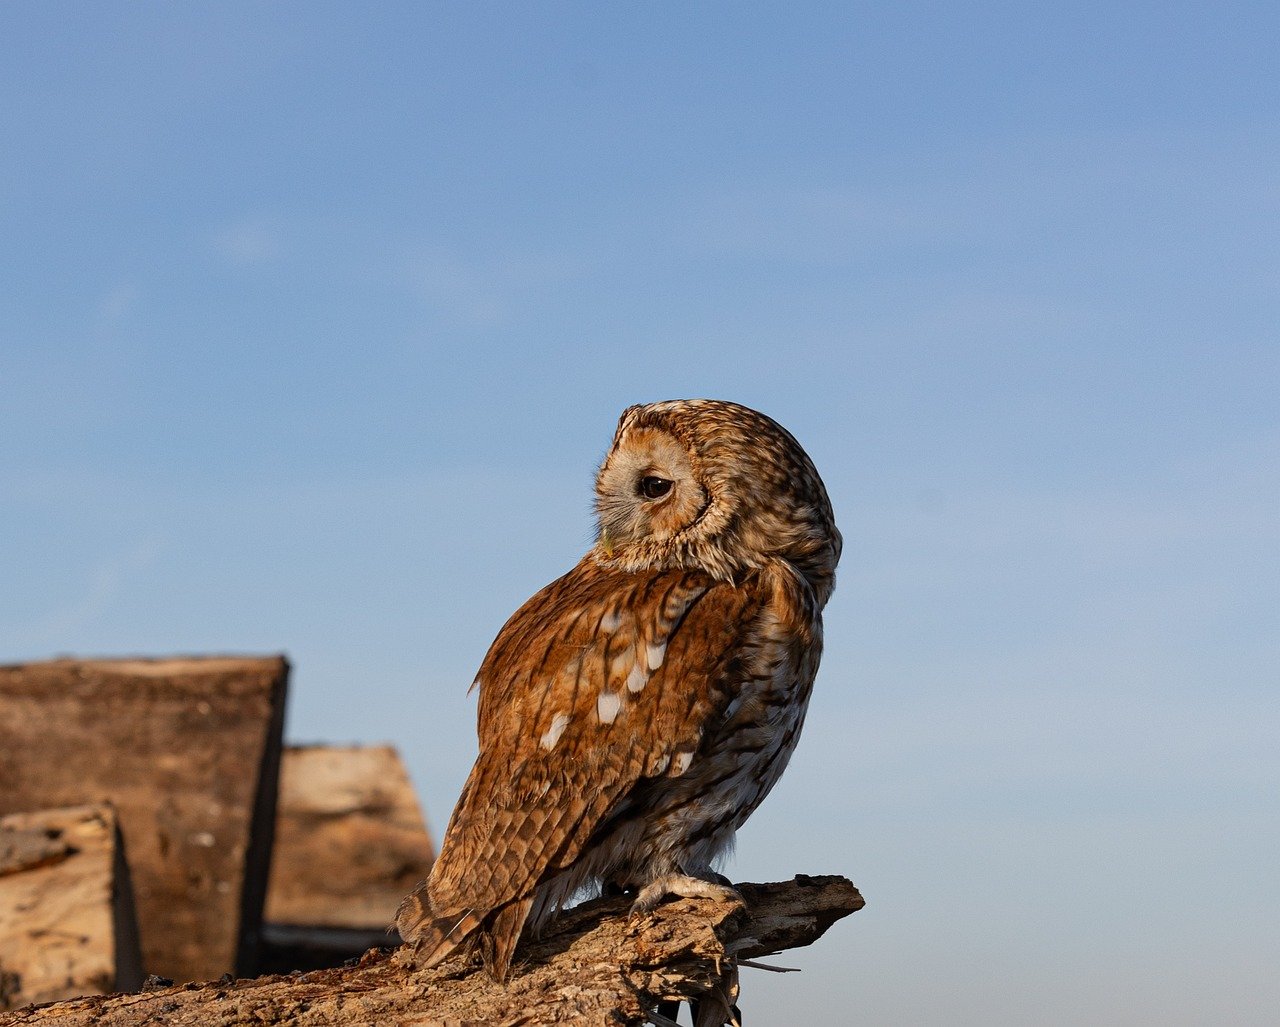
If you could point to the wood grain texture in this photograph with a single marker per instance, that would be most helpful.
(66, 910)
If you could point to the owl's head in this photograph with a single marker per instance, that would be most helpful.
(708, 484)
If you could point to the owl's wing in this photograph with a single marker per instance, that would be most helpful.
(600, 680)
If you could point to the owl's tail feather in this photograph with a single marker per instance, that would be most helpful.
(435, 937)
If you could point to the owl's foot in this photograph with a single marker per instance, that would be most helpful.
(683, 886)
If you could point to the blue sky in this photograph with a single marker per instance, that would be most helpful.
(318, 317)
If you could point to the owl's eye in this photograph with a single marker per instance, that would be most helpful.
(652, 487)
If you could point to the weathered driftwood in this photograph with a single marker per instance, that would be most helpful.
(595, 966)
(188, 751)
(67, 923)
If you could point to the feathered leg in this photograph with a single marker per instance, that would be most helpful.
(498, 944)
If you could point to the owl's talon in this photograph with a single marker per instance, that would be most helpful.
(682, 886)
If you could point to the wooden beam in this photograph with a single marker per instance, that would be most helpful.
(188, 752)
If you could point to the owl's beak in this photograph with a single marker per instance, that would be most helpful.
(605, 543)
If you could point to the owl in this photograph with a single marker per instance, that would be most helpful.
(636, 711)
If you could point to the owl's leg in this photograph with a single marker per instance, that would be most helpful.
(685, 886)
(498, 944)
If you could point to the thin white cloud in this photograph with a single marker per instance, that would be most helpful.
(103, 584)
(487, 292)
(794, 223)
(248, 243)
(115, 305)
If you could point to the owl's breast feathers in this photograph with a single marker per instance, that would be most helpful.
(609, 696)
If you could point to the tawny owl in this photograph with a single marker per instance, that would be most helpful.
(635, 712)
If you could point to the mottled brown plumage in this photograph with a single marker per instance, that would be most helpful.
(635, 712)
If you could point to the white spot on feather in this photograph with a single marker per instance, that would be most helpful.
(607, 707)
(660, 764)
(655, 654)
(681, 763)
(610, 622)
(637, 679)
(553, 733)
(620, 662)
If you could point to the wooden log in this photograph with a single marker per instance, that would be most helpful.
(67, 923)
(187, 750)
(350, 843)
(595, 966)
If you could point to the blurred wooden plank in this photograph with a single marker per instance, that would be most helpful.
(350, 838)
(350, 843)
(188, 751)
(67, 923)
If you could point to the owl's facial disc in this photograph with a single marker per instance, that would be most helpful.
(646, 489)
